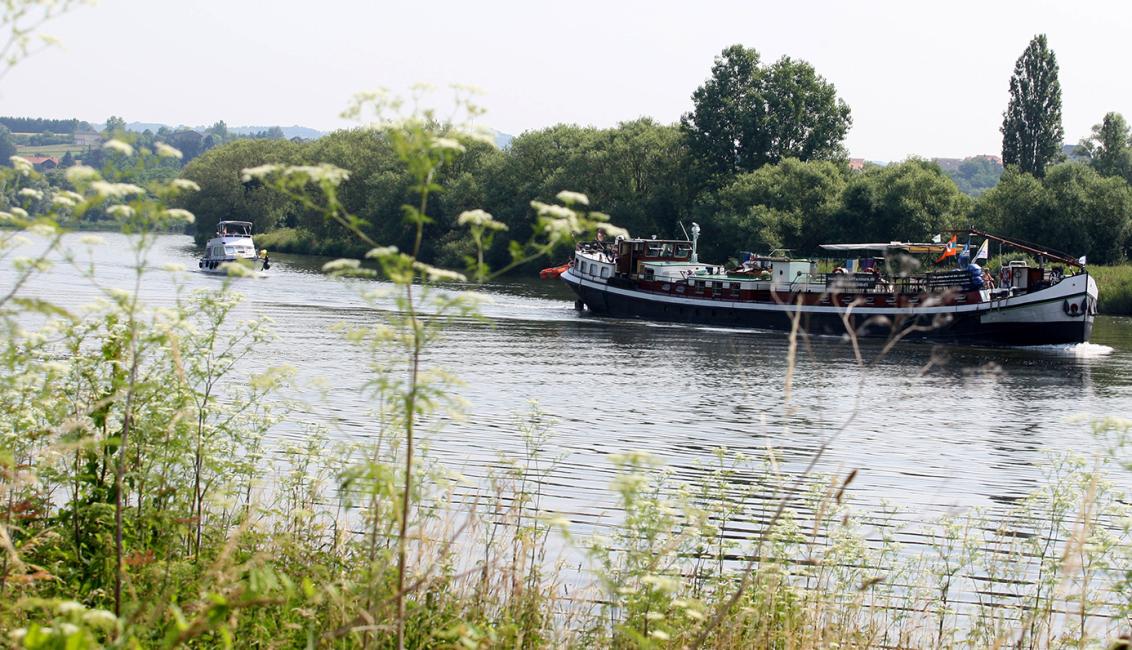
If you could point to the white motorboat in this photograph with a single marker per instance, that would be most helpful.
(232, 244)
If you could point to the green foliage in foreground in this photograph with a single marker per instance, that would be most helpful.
(143, 502)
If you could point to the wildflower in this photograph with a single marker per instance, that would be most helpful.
(67, 629)
(167, 151)
(40, 229)
(659, 635)
(59, 368)
(654, 616)
(554, 211)
(570, 198)
(19, 633)
(22, 165)
(19, 212)
(100, 618)
(120, 211)
(613, 231)
(694, 614)
(436, 274)
(63, 201)
(340, 265)
(115, 190)
(381, 251)
(661, 583)
(79, 174)
(180, 214)
(479, 218)
(447, 144)
(260, 172)
(31, 193)
(320, 173)
(186, 184)
(92, 240)
(119, 146)
(69, 606)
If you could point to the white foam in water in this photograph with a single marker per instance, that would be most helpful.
(1079, 350)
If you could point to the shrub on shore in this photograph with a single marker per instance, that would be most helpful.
(1114, 283)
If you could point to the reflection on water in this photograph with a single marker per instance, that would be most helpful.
(935, 427)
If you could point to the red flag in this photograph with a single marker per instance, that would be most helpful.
(950, 250)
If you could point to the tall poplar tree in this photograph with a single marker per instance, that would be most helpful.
(1031, 125)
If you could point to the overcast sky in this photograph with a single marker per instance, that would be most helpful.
(928, 79)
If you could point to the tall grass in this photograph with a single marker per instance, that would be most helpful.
(1114, 284)
(138, 506)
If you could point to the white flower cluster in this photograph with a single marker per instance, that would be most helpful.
(79, 174)
(259, 173)
(31, 193)
(22, 165)
(180, 214)
(340, 265)
(167, 151)
(570, 198)
(447, 144)
(612, 230)
(185, 184)
(381, 251)
(120, 211)
(66, 199)
(323, 172)
(115, 190)
(119, 146)
(437, 274)
(480, 218)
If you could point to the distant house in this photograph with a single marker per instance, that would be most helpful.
(856, 164)
(43, 163)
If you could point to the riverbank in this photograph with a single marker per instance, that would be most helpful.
(1113, 282)
(296, 241)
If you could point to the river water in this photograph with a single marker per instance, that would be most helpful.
(937, 429)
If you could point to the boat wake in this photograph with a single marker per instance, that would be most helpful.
(1079, 350)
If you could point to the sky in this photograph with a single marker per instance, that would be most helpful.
(921, 78)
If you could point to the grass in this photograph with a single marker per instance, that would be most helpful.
(1114, 283)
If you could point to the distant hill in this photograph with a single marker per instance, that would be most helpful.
(502, 140)
(303, 132)
(296, 131)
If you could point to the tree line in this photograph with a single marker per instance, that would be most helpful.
(759, 163)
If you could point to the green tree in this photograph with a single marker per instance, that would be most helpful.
(976, 175)
(1074, 209)
(912, 200)
(7, 146)
(788, 205)
(224, 195)
(1031, 126)
(1108, 147)
(115, 126)
(746, 116)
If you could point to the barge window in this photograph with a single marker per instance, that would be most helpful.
(605, 271)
